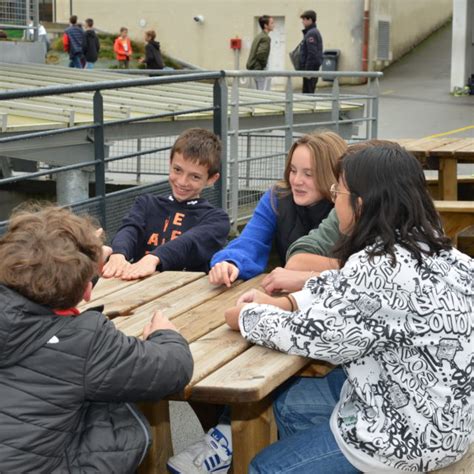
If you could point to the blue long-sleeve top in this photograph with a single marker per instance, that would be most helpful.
(183, 235)
(250, 251)
(276, 219)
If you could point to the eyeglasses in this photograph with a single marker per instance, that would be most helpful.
(334, 192)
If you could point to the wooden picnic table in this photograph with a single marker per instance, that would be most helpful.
(442, 154)
(227, 369)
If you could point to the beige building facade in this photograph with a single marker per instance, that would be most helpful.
(199, 32)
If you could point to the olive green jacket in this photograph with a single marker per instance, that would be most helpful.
(259, 52)
(319, 241)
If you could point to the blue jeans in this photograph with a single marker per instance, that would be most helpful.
(302, 410)
(76, 61)
(89, 65)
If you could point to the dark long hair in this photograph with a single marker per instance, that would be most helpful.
(396, 207)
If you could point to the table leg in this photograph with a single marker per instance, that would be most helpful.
(253, 428)
(161, 448)
(448, 179)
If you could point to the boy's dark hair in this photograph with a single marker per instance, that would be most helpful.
(89, 22)
(123, 28)
(151, 34)
(263, 20)
(396, 206)
(49, 254)
(309, 15)
(201, 146)
(73, 19)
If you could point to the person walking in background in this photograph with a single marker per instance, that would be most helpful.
(91, 44)
(311, 52)
(73, 43)
(152, 59)
(260, 51)
(123, 48)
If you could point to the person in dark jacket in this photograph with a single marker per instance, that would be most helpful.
(91, 44)
(152, 59)
(67, 378)
(73, 43)
(178, 232)
(311, 50)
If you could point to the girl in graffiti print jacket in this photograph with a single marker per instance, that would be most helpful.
(398, 318)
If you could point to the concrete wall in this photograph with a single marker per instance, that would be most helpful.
(22, 52)
(207, 44)
(411, 22)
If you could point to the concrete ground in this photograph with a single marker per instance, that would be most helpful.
(414, 103)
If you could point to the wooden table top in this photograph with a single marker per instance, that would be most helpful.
(461, 149)
(227, 368)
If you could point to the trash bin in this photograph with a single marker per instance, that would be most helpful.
(330, 60)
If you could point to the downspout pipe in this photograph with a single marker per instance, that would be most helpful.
(366, 36)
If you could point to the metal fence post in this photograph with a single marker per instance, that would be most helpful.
(289, 114)
(220, 129)
(374, 112)
(99, 154)
(249, 154)
(234, 154)
(335, 104)
(139, 159)
(35, 20)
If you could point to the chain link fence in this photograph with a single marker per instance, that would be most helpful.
(18, 14)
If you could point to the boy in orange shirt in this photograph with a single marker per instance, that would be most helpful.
(123, 48)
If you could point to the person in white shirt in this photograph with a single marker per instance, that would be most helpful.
(397, 318)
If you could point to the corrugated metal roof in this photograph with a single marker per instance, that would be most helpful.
(76, 109)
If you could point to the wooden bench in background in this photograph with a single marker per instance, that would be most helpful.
(456, 216)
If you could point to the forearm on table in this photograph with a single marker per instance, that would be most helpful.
(311, 262)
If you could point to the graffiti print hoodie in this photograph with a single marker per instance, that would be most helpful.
(403, 334)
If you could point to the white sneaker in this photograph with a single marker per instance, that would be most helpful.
(212, 454)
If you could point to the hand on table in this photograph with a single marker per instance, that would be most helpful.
(159, 321)
(251, 296)
(116, 266)
(282, 279)
(223, 273)
(144, 267)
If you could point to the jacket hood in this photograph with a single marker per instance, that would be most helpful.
(155, 44)
(24, 326)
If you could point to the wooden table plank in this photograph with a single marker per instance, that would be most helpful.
(208, 316)
(123, 301)
(106, 286)
(466, 153)
(212, 351)
(452, 147)
(249, 377)
(173, 304)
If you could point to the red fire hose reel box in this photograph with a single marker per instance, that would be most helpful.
(236, 43)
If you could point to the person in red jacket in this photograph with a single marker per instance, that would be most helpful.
(123, 48)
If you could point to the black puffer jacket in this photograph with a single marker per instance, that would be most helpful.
(63, 381)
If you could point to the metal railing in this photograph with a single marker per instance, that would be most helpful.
(252, 158)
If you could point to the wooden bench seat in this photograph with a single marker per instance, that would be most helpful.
(456, 216)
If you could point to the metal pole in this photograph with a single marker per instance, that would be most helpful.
(220, 129)
(35, 19)
(289, 114)
(335, 104)
(99, 154)
(139, 159)
(234, 154)
(374, 115)
(249, 154)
